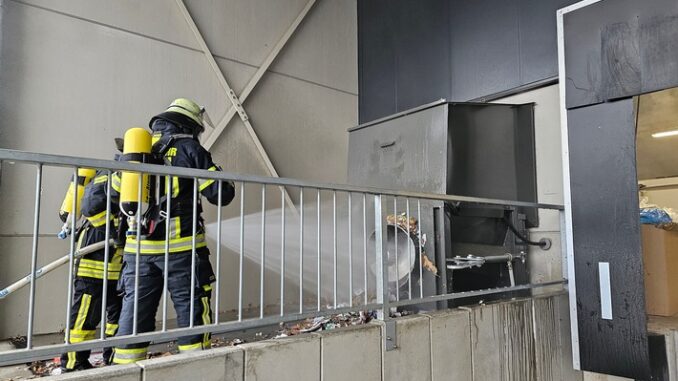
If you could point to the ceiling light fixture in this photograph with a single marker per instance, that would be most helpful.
(665, 134)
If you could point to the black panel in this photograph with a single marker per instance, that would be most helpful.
(606, 229)
(376, 60)
(485, 46)
(620, 48)
(403, 55)
(658, 360)
(414, 52)
(422, 57)
(492, 154)
(538, 38)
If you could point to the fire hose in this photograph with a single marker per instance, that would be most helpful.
(53, 265)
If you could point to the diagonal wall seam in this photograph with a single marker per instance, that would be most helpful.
(235, 101)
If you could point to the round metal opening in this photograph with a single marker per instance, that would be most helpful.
(402, 255)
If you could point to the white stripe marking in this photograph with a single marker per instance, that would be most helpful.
(605, 290)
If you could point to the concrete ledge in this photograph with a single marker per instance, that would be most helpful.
(131, 372)
(411, 360)
(451, 345)
(352, 353)
(214, 364)
(588, 376)
(288, 359)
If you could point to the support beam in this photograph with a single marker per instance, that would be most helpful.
(236, 104)
(221, 126)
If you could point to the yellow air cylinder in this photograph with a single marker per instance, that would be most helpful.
(85, 175)
(137, 143)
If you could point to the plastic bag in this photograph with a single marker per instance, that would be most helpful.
(654, 216)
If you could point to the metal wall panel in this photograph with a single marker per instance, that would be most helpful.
(537, 30)
(403, 55)
(616, 49)
(606, 230)
(93, 69)
(376, 54)
(485, 46)
(411, 53)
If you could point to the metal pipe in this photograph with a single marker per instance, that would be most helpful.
(509, 266)
(74, 217)
(282, 252)
(137, 256)
(242, 248)
(334, 252)
(409, 252)
(365, 246)
(459, 263)
(301, 250)
(165, 276)
(193, 253)
(319, 262)
(263, 251)
(381, 264)
(421, 252)
(350, 252)
(34, 256)
(104, 287)
(218, 272)
(395, 237)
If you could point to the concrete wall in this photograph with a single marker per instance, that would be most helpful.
(523, 340)
(662, 192)
(77, 73)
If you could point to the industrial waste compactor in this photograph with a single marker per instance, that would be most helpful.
(464, 149)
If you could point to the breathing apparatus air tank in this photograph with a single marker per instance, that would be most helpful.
(137, 148)
(85, 175)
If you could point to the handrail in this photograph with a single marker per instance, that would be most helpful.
(70, 161)
(377, 292)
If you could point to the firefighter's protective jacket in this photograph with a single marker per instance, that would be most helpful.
(94, 230)
(181, 150)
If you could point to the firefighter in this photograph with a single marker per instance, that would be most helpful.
(89, 275)
(175, 139)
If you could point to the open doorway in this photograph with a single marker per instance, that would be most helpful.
(657, 168)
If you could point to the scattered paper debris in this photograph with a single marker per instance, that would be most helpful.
(45, 368)
(401, 220)
(325, 323)
(428, 265)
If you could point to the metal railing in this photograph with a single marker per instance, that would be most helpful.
(377, 213)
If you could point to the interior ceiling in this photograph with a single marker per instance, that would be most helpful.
(657, 157)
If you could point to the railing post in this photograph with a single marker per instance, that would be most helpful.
(383, 293)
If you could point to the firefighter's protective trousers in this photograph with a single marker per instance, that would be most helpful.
(89, 274)
(86, 316)
(151, 283)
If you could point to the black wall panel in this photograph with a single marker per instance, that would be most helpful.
(403, 55)
(620, 48)
(485, 46)
(538, 38)
(606, 229)
(415, 52)
(376, 61)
